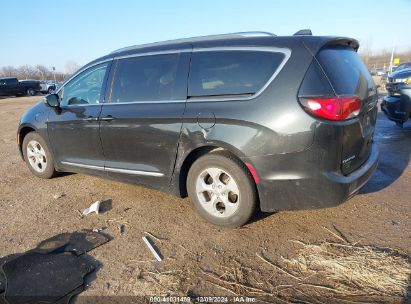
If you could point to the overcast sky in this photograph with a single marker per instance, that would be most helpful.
(53, 33)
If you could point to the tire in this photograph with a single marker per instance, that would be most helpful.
(30, 92)
(37, 156)
(213, 194)
(50, 90)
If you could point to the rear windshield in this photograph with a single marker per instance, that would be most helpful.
(216, 73)
(347, 73)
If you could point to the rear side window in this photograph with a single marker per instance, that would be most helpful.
(215, 73)
(347, 73)
(11, 81)
(145, 78)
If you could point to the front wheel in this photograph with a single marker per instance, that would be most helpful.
(37, 156)
(30, 92)
(221, 189)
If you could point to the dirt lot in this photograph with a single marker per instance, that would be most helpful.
(201, 259)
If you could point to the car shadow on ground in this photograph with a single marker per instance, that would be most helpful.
(394, 144)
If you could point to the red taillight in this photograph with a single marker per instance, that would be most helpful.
(335, 108)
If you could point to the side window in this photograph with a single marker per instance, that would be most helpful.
(145, 78)
(215, 73)
(13, 82)
(10, 81)
(85, 88)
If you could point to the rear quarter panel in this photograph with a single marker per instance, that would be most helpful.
(272, 123)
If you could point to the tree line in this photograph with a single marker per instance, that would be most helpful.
(381, 59)
(38, 72)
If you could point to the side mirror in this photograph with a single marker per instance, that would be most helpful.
(52, 100)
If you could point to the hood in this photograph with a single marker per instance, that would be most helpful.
(401, 74)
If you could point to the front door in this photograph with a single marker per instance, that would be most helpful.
(74, 128)
(140, 126)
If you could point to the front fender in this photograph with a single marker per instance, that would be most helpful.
(34, 119)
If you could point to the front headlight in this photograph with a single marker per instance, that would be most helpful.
(408, 80)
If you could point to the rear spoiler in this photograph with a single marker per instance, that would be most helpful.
(314, 44)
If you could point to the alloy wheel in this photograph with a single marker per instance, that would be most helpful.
(218, 192)
(36, 156)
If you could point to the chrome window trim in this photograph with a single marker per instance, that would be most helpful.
(82, 105)
(116, 170)
(285, 51)
(144, 54)
(144, 102)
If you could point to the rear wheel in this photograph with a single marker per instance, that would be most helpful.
(30, 92)
(37, 156)
(221, 189)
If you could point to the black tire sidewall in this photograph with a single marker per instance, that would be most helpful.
(50, 170)
(239, 172)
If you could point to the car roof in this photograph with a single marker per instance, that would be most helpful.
(313, 43)
(195, 40)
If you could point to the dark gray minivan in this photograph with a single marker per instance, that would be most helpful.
(234, 121)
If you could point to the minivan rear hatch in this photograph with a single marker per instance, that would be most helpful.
(349, 76)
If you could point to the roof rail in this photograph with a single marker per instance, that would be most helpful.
(197, 39)
(250, 34)
(304, 32)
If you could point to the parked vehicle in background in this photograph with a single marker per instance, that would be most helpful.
(58, 85)
(379, 71)
(10, 86)
(48, 87)
(235, 121)
(403, 66)
(32, 87)
(397, 104)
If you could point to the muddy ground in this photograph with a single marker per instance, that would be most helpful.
(198, 256)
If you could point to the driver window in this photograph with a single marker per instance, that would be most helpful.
(85, 88)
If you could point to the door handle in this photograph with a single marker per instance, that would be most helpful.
(91, 118)
(107, 118)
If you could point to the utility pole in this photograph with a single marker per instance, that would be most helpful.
(54, 73)
(392, 58)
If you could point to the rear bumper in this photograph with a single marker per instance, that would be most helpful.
(307, 190)
(397, 108)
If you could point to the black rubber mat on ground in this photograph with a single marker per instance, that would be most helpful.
(44, 278)
(53, 272)
(3, 261)
(76, 242)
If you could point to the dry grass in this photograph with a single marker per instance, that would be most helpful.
(353, 270)
(327, 271)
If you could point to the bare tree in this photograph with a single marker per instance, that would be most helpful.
(8, 71)
(43, 72)
(71, 67)
(40, 72)
(26, 72)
